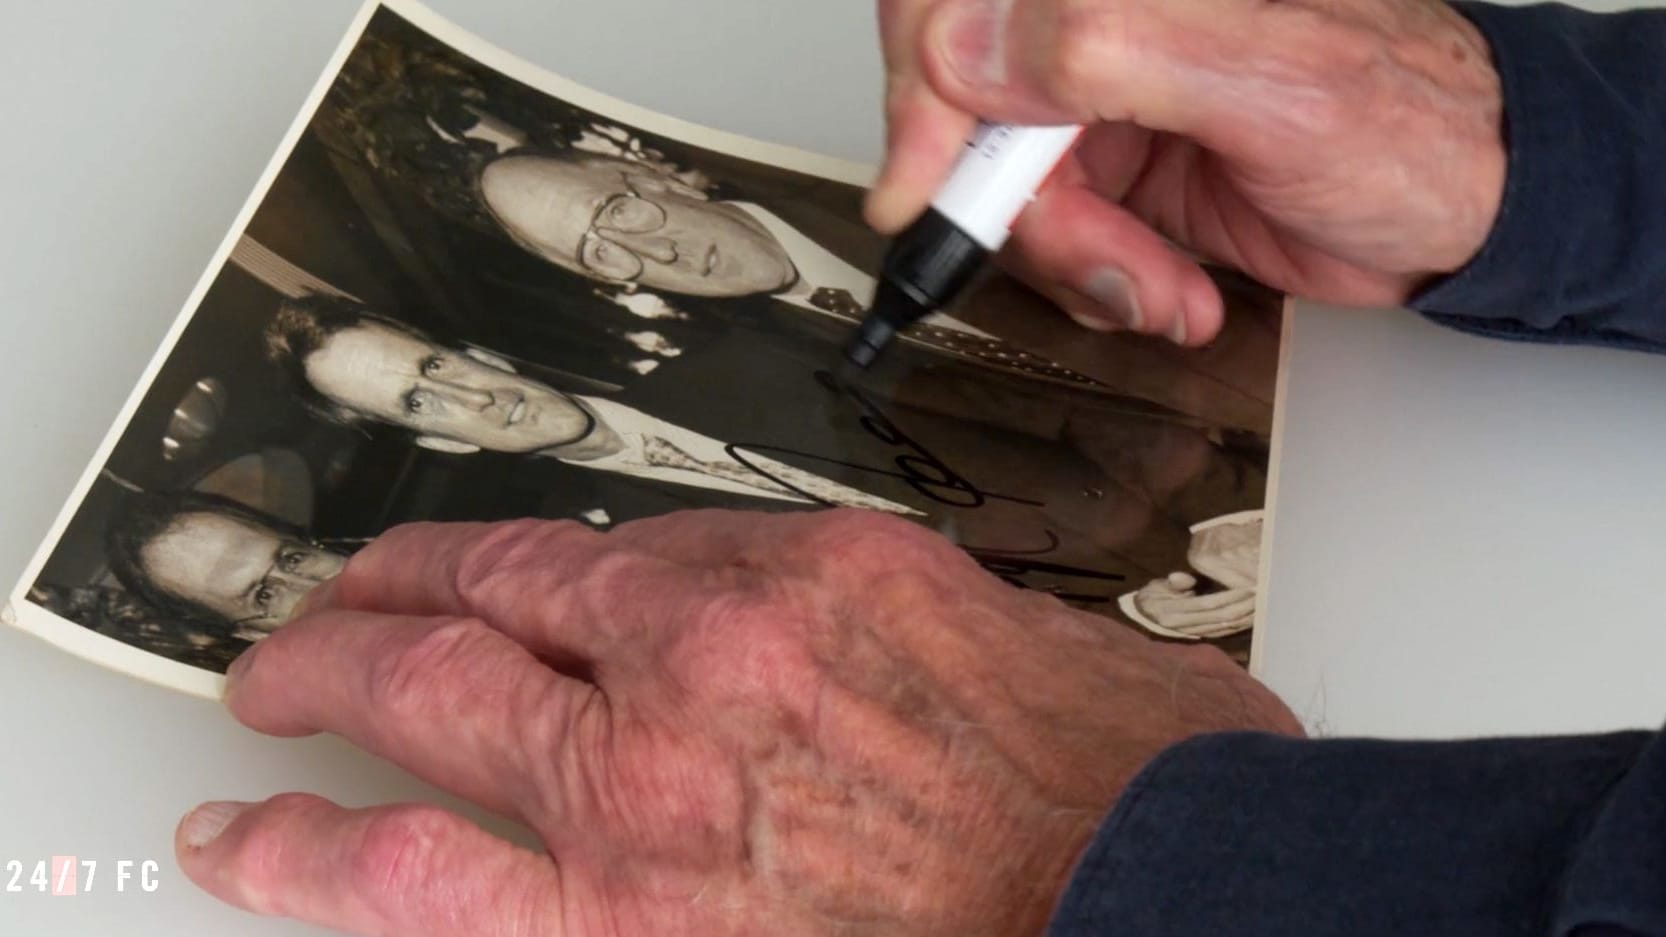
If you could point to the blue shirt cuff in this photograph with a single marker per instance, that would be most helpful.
(1242, 834)
(1578, 251)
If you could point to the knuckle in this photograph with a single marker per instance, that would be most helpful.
(728, 614)
(292, 803)
(364, 562)
(398, 854)
(414, 679)
(608, 583)
(505, 550)
(615, 574)
(266, 849)
(1087, 37)
(748, 647)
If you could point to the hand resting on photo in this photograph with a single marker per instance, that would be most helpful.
(718, 723)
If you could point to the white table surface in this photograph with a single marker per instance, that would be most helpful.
(1469, 534)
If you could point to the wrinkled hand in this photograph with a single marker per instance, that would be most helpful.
(719, 724)
(1344, 150)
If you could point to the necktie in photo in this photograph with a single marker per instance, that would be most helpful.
(663, 453)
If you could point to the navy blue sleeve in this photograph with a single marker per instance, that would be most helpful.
(1241, 835)
(1578, 252)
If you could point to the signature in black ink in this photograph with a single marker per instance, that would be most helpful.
(917, 466)
(926, 473)
(1011, 566)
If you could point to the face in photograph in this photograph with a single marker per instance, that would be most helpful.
(453, 400)
(615, 221)
(242, 571)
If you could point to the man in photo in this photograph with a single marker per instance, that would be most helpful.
(208, 558)
(629, 224)
(623, 222)
(351, 365)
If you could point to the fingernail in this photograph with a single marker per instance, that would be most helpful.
(1111, 288)
(1201, 308)
(202, 825)
(1177, 329)
(973, 43)
(1092, 321)
(880, 210)
(239, 668)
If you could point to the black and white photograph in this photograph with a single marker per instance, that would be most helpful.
(467, 290)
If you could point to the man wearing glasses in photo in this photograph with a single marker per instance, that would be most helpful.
(628, 224)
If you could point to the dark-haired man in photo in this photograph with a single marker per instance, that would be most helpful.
(207, 558)
(117, 613)
(350, 364)
(1098, 512)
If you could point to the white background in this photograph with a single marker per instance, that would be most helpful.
(1469, 534)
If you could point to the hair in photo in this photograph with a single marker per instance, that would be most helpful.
(143, 517)
(302, 326)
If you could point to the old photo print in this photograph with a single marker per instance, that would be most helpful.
(470, 290)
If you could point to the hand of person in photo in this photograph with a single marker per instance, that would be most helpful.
(1349, 151)
(1171, 607)
(718, 723)
(1228, 550)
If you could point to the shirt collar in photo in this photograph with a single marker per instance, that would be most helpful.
(818, 268)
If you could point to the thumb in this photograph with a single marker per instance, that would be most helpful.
(407, 869)
(1228, 73)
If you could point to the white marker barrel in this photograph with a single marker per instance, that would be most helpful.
(998, 175)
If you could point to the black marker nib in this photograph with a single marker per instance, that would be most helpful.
(892, 310)
(864, 347)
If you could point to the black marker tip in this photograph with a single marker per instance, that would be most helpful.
(864, 347)
(893, 309)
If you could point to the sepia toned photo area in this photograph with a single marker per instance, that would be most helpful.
(464, 299)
